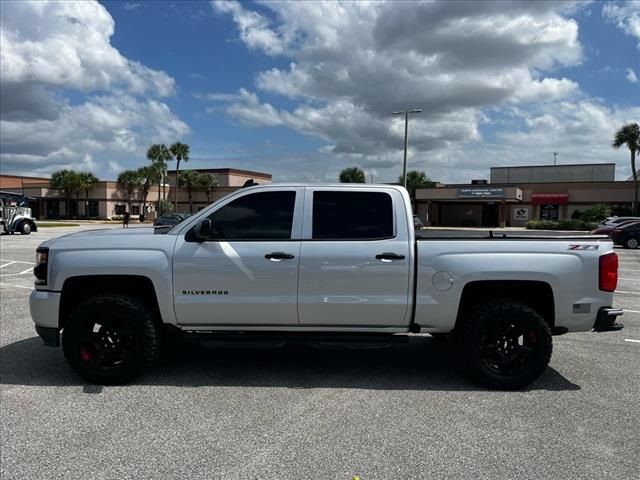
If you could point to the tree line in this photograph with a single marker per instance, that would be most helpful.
(142, 179)
(415, 179)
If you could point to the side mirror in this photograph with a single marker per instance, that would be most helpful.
(203, 230)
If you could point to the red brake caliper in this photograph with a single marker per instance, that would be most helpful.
(85, 355)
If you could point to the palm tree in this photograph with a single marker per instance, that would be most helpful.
(191, 180)
(148, 176)
(208, 182)
(629, 134)
(416, 180)
(67, 181)
(159, 155)
(352, 175)
(181, 152)
(87, 182)
(131, 180)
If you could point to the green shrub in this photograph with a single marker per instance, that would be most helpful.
(560, 225)
(596, 213)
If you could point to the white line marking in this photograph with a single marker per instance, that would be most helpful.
(627, 293)
(28, 270)
(14, 261)
(14, 286)
(631, 340)
(629, 279)
(7, 264)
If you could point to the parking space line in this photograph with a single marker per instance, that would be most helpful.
(14, 286)
(14, 261)
(627, 293)
(631, 340)
(629, 279)
(7, 264)
(631, 311)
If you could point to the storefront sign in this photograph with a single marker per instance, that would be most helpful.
(481, 192)
(521, 213)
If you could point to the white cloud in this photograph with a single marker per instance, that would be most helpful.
(631, 76)
(131, 6)
(106, 126)
(67, 44)
(626, 16)
(50, 48)
(353, 63)
(254, 28)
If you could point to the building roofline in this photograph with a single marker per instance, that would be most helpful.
(561, 165)
(229, 171)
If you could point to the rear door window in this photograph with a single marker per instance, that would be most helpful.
(352, 215)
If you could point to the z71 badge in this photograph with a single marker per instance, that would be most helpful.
(583, 247)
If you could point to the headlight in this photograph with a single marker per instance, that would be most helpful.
(42, 263)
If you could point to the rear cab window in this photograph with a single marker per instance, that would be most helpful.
(340, 215)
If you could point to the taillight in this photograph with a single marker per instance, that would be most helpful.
(608, 273)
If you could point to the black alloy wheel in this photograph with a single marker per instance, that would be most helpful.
(110, 339)
(505, 344)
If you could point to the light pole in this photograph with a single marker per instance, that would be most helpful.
(555, 154)
(406, 131)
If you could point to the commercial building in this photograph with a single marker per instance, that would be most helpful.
(516, 195)
(108, 199)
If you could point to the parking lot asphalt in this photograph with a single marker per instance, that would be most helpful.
(299, 413)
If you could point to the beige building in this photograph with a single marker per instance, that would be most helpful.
(108, 199)
(519, 194)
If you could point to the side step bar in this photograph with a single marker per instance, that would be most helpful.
(606, 320)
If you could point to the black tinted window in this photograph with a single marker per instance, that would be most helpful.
(258, 216)
(352, 215)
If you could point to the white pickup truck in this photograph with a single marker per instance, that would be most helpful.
(337, 262)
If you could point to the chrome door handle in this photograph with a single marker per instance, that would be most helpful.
(278, 256)
(389, 256)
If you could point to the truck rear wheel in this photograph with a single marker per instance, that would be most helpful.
(505, 345)
(110, 339)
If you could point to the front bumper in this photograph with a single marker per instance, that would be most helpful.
(606, 320)
(45, 307)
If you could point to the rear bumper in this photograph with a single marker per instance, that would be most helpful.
(606, 320)
(50, 336)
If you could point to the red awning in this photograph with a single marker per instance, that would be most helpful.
(550, 198)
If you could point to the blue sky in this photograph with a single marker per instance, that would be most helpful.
(302, 90)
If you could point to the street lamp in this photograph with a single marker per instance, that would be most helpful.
(555, 154)
(406, 130)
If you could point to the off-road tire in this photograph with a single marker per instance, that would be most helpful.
(482, 359)
(124, 319)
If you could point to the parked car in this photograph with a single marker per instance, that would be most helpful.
(417, 223)
(170, 219)
(618, 220)
(627, 235)
(330, 264)
(607, 229)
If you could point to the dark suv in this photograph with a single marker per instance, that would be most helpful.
(170, 219)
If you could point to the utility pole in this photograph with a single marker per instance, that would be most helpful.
(406, 138)
(555, 154)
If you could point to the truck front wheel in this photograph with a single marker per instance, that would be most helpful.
(110, 339)
(505, 345)
(25, 228)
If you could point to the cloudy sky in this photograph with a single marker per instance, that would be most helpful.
(304, 89)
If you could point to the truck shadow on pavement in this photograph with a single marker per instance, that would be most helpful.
(421, 364)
